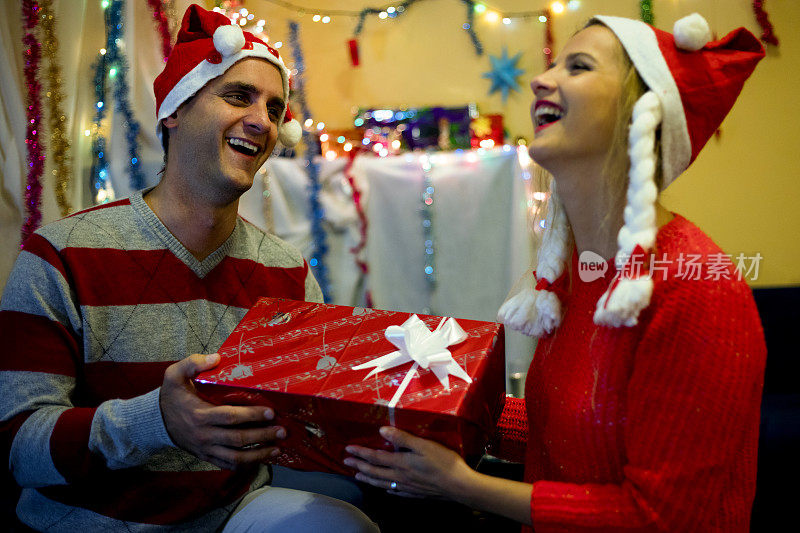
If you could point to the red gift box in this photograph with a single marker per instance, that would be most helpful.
(297, 358)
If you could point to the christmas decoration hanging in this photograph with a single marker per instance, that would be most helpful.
(162, 24)
(504, 73)
(118, 68)
(101, 188)
(317, 260)
(427, 226)
(767, 34)
(59, 139)
(548, 39)
(358, 250)
(469, 27)
(646, 11)
(33, 115)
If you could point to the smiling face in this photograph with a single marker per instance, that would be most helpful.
(575, 108)
(221, 136)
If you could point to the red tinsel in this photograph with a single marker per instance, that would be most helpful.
(162, 23)
(33, 114)
(362, 217)
(548, 38)
(763, 20)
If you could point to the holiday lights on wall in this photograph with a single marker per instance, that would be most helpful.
(390, 12)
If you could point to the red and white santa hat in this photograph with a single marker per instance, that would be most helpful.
(208, 45)
(693, 84)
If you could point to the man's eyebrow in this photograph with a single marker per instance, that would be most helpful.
(240, 86)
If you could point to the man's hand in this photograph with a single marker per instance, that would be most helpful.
(213, 433)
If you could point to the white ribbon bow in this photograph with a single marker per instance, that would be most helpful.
(428, 349)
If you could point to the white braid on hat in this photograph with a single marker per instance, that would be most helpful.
(623, 305)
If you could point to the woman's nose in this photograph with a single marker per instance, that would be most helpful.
(542, 84)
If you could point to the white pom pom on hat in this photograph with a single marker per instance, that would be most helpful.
(691, 32)
(228, 39)
(290, 133)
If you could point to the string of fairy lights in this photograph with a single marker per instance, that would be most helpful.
(396, 9)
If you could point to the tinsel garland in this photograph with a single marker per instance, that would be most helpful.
(362, 217)
(99, 172)
(646, 11)
(113, 58)
(162, 24)
(59, 140)
(116, 59)
(767, 34)
(317, 260)
(469, 27)
(427, 226)
(402, 7)
(358, 250)
(33, 114)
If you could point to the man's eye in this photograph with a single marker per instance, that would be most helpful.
(274, 112)
(238, 97)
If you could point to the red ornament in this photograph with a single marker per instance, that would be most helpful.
(353, 45)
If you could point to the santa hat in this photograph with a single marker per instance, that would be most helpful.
(692, 84)
(208, 45)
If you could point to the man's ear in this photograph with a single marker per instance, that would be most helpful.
(171, 121)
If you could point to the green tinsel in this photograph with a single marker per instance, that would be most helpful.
(646, 10)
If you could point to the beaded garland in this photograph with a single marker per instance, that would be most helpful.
(427, 225)
(33, 114)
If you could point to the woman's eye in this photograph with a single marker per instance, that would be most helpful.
(578, 67)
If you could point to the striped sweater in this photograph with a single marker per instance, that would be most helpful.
(96, 308)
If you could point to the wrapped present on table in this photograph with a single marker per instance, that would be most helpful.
(335, 374)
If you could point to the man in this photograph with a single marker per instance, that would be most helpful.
(103, 427)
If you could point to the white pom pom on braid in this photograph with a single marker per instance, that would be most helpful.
(535, 313)
(623, 304)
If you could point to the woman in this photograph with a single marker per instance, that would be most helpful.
(643, 395)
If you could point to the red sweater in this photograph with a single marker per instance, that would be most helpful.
(655, 427)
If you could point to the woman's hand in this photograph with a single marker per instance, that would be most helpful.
(426, 468)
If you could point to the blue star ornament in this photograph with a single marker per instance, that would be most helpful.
(504, 73)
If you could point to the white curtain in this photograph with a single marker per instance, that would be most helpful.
(481, 242)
